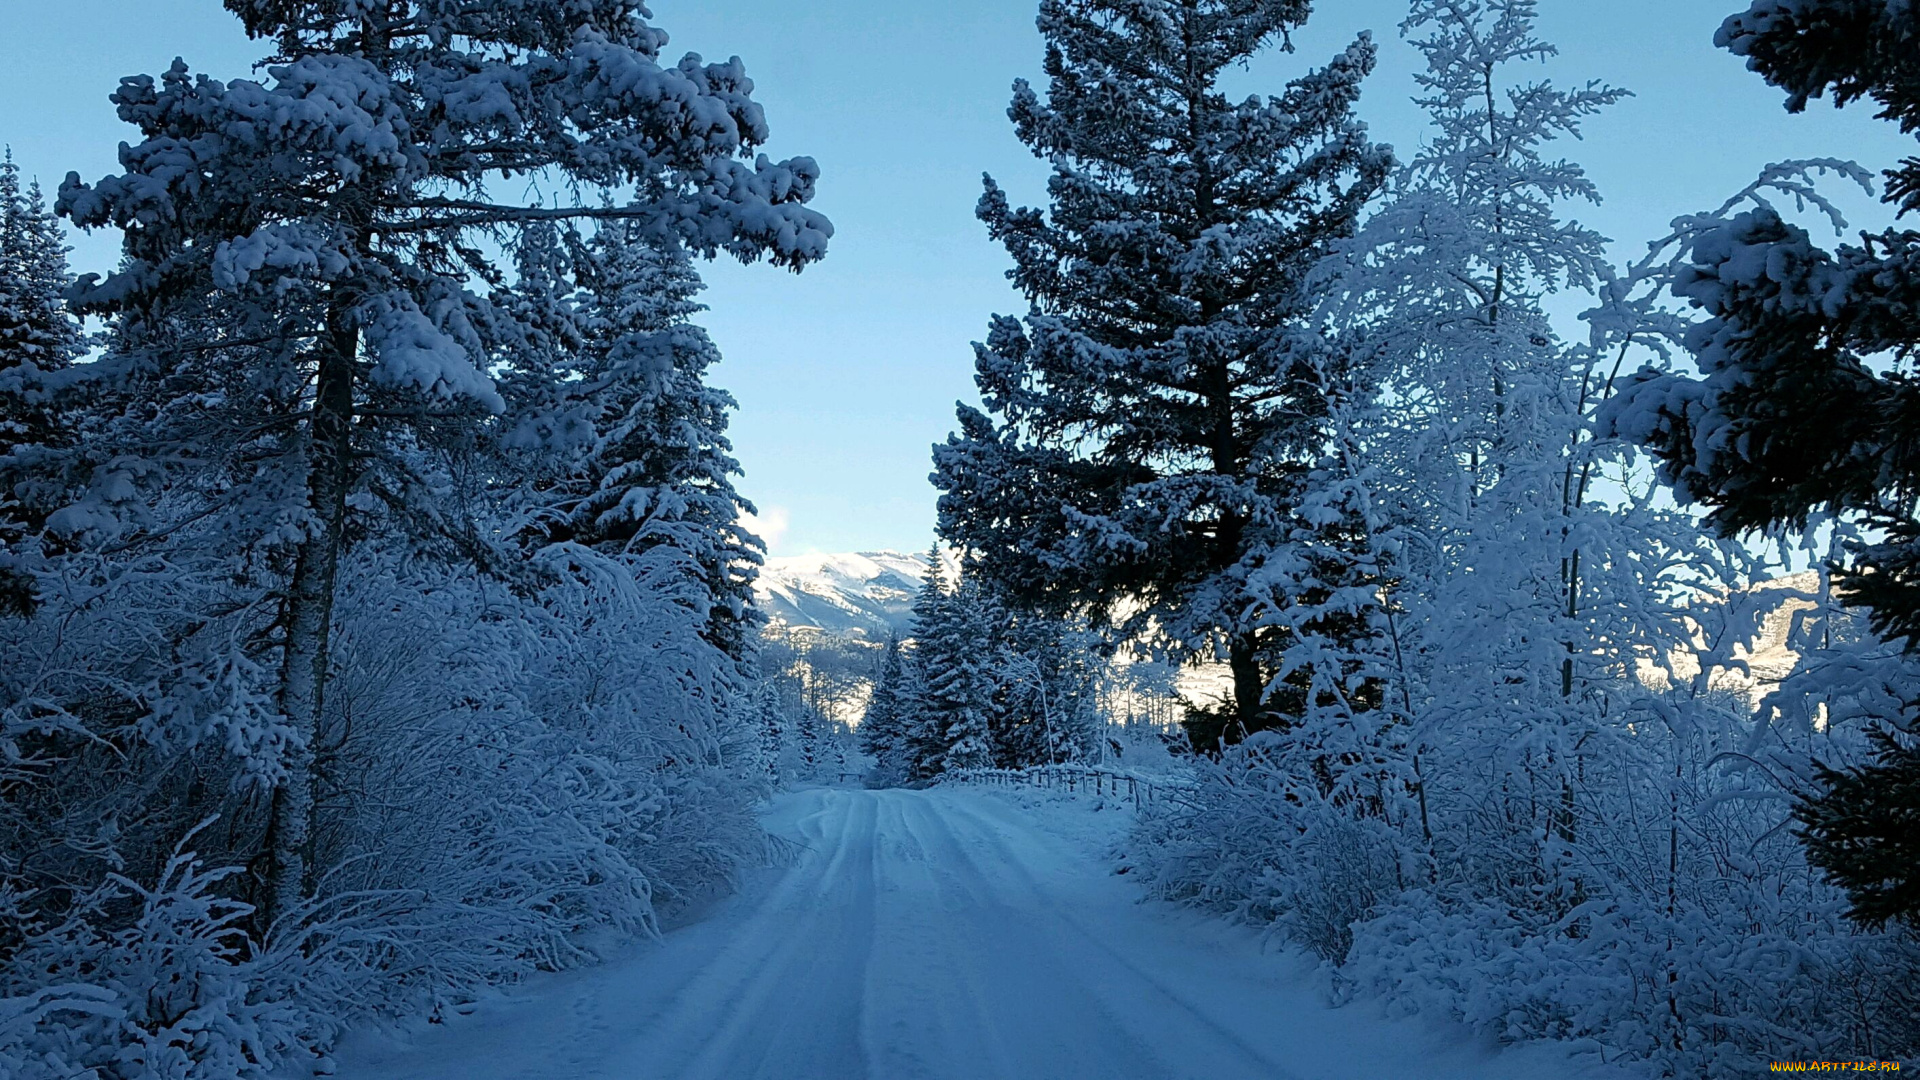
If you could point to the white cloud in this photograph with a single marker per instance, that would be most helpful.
(770, 525)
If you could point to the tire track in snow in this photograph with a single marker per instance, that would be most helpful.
(1123, 979)
(801, 1000)
(1049, 1020)
(938, 1004)
(931, 935)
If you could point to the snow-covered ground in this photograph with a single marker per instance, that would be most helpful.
(951, 933)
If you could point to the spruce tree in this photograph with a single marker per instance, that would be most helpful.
(920, 741)
(34, 325)
(1864, 831)
(660, 469)
(883, 728)
(810, 724)
(1804, 404)
(37, 336)
(1149, 427)
(617, 441)
(956, 657)
(1043, 671)
(951, 689)
(773, 731)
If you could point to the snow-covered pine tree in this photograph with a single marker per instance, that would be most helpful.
(772, 716)
(1794, 415)
(949, 684)
(810, 725)
(37, 336)
(890, 709)
(921, 742)
(660, 470)
(335, 243)
(1147, 430)
(538, 337)
(956, 658)
(1045, 672)
(35, 328)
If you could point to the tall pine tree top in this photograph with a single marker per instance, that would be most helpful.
(659, 468)
(34, 325)
(1149, 423)
(36, 336)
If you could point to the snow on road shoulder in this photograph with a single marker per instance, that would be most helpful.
(1096, 825)
(1246, 978)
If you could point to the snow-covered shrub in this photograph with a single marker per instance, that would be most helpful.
(569, 755)
(1660, 907)
(1249, 842)
(24, 1050)
(153, 982)
(507, 783)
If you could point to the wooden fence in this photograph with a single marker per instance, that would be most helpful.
(1070, 778)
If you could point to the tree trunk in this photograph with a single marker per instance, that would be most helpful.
(1249, 689)
(309, 616)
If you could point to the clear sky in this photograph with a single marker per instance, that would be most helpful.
(847, 373)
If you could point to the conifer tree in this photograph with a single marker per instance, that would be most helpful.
(921, 738)
(884, 727)
(1043, 670)
(810, 722)
(952, 677)
(34, 325)
(956, 661)
(1148, 428)
(772, 715)
(660, 469)
(1794, 415)
(37, 336)
(620, 442)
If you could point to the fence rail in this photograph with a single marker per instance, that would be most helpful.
(1070, 778)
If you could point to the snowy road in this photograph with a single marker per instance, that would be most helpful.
(938, 934)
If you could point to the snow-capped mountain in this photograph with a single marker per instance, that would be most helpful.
(865, 594)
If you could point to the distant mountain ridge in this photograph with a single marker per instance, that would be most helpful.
(864, 594)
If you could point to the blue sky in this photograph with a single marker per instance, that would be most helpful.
(847, 373)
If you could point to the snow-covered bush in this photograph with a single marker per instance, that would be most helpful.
(166, 991)
(1250, 843)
